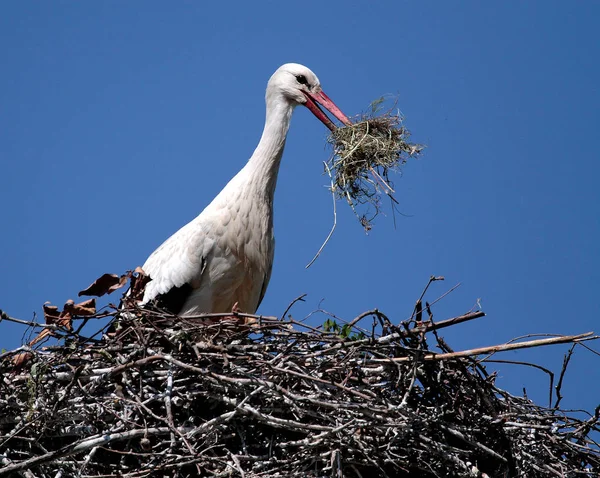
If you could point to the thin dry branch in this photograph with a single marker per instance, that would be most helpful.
(566, 361)
(563, 339)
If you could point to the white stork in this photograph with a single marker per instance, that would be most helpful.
(224, 256)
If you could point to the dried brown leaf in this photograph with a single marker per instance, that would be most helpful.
(51, 313)
(138, 283)
(20, 360)
(41, 336)
(122, 282)
(105, 284)
(85, 308)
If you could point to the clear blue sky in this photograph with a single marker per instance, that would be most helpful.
(121, 120)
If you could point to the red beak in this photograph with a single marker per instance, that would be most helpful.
(322, 99)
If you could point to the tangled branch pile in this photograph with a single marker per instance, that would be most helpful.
(167, 396)
(365, 153)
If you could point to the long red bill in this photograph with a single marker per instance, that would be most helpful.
(321, 98)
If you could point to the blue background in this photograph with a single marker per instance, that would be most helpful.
(120, 121)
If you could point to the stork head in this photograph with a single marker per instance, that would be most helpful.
(298, 85)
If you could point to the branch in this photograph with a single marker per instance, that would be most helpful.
(82, 445)
(497, 348)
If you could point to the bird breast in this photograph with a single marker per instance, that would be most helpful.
(243, 253)
(225, 254)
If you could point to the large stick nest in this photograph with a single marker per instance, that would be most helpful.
(165, 396)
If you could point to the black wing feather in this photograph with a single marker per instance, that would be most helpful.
(174, 300)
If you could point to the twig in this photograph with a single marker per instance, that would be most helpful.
(566, 361)
(529, 364)
(82, 445)
(332, 188)
(498, 348)
(168, 407)
(297, 299)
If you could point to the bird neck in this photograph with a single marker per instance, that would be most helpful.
(264, 163)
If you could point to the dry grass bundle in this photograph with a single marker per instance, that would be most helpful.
(365, 153)
(170, 397)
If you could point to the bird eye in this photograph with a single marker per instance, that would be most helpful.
(302, 79)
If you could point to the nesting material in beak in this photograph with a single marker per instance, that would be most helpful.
(364, 154)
